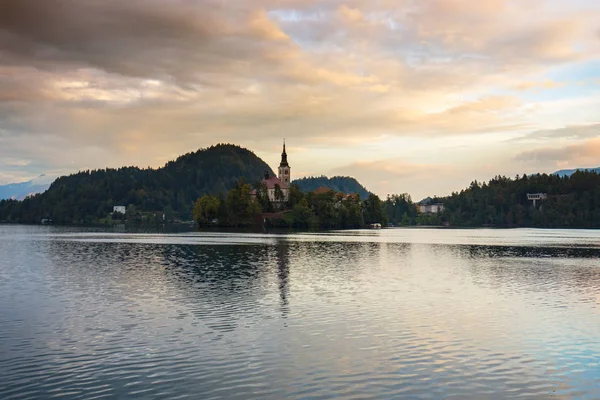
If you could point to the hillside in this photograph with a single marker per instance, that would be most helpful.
(572, 202)
(569, 172)
(173, 189)
(21, 190)
(343, 184)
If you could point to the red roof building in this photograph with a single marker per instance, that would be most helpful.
(282, 181)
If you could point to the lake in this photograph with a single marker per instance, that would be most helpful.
(382, 314)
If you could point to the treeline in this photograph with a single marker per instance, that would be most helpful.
(89, 196)
(329, 210)
(572, 202)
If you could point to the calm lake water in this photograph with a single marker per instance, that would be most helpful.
(399, 313)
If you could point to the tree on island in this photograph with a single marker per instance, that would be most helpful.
(279, 196)
(206, 209)
(262, 196)
(242, 208)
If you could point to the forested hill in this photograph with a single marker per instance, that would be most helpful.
(572, 202)
(343, 184)
(89, 195)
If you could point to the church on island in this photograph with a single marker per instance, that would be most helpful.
(278, 187)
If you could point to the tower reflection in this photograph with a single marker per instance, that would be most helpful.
(283, 275)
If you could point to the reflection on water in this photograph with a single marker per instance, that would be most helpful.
(412, 313)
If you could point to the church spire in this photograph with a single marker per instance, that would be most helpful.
(284, 162)
(284, 167)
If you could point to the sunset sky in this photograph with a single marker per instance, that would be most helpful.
(417, 96)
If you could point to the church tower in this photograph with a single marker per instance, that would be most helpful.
(284, 168)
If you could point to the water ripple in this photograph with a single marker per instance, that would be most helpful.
(360, 314)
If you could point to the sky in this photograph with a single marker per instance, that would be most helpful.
(416, 96)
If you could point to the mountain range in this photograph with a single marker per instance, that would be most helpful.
(19, 191)
(569, 172)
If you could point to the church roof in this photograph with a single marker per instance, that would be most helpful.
(272, 181)
(323, 190)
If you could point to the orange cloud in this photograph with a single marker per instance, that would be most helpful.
(538, 85)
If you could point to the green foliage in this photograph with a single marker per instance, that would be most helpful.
(301, 215)
(132, 214)
(344, 184)
(206, 209)
(428, 220)
(324, 207)
(400, 209)
(262, 196)
(406, 220)
(373, 211)
(295, 195)
(89, 196)
(242, 208)
(279, 196)
(353, 215)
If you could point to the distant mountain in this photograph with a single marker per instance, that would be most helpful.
(89, 195)
(21, 190)
(343, 184)
(569, 172)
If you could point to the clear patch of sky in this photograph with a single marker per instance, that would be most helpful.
(559, 5)
(577, 71)
(577, 80)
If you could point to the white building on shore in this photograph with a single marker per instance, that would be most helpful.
(119, 209)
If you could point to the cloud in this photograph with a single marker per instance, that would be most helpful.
(105, 82)
(576, 155)
(583, 131)
(538, 85)
(16, 162)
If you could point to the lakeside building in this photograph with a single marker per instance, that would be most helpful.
(431, 208)
(535, 197)
(119, 209)
(427, 206)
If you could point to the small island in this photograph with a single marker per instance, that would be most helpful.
(276, 202)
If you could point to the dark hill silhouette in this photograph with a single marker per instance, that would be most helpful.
(343, 184)
(88, 195)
